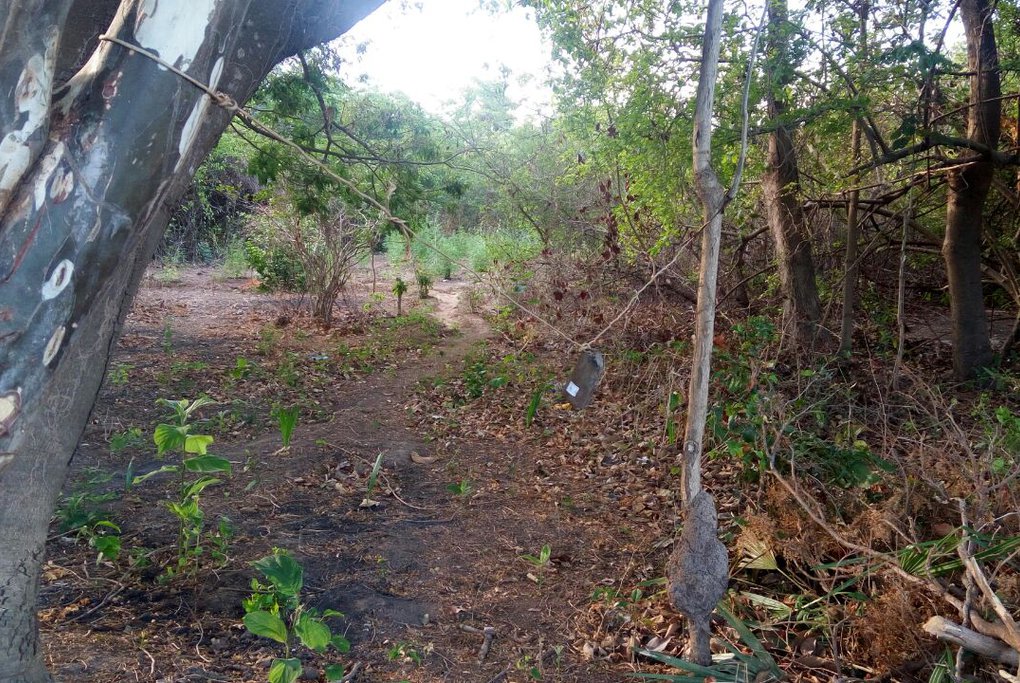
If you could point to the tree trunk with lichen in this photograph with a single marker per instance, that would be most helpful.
(697, 567)
(88, 172)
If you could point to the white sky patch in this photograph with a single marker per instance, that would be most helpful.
(433, 54)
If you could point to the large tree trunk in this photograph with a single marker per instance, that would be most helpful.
(968, 188)
(780, 187)
(86, 180)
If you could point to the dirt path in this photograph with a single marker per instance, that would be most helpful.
(418, 576)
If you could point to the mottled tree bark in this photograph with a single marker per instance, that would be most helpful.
(802, 309)
(968, 188)
(87, 174)
(697, 567)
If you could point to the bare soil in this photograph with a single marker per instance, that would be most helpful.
(484, 468)
(418, 577)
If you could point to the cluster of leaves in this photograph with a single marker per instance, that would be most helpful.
(274, 610)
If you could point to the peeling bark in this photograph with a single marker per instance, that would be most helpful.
(113, 149)
(697, 567)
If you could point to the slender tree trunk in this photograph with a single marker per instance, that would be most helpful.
(968, 188)
(846, 327)
(780, 188)
(850, 273)
(86, 176)
(697, 568)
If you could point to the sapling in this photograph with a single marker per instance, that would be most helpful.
(274, 610)
(400, 289)
(176, 437)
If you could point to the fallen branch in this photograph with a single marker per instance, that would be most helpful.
(1010, 633)
(352, 673)
(500, 677)
(943, 629)
(487, 633)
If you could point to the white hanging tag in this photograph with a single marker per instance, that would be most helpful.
(588, 371)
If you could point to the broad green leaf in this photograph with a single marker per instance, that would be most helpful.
(196, 487)
(108, 546)
(283, 572)
(312, 633)
(331, 613)
(199, 402)
(285, 670)
(334, 672)
(267, 625)
(197, 443)
(207, 463)
(341, 644)
(169, 438)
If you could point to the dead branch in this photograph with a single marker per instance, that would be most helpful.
(1009, 632)
(987, 647)
(487, 633)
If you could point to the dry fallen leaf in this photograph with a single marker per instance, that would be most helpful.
(423, 459)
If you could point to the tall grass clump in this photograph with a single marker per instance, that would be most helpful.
(438, 253)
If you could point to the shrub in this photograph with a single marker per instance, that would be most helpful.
(309, 252)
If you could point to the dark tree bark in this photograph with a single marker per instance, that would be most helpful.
(87, 176)
(968, 188)
(780, 187)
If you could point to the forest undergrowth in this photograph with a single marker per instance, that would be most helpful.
(852, 493)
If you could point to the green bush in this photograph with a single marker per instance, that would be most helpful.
(278, 267)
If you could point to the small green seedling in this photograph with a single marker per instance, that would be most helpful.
(460, 488)
(242, 368)
(286, 420)
(542, 559)
(120, 373)
(373, 480)
(424, 285)
(400, 289)
(274, 610)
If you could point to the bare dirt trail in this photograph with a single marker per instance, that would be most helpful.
(419, 576)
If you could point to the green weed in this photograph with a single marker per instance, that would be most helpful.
(274, 610)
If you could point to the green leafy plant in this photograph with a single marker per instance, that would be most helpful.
(478, 377)
(84, 511)
(373, 481)
(404, 652)
(168, 336)
(424, 285)
(274, 610)
(130, 437)
(286, 420)
(460, 488)
(85, 505)
(400, 289)
(741, 667)
(540, 560)
(242, 368)
(268, 340)
(176, 437)
(120, 374)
